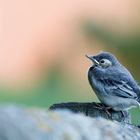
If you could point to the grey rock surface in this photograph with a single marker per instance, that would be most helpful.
(19, 123)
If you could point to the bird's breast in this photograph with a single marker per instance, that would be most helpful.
(96, 84)
(98, 87)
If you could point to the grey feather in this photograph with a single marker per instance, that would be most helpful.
(122, 89)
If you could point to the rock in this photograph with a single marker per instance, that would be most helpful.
(94, 110)
(19, 123)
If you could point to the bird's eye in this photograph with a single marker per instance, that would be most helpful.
(105, 63)
(102, 61)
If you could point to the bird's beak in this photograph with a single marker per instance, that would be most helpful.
(92, 59)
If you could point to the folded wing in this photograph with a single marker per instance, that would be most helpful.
(119, 88)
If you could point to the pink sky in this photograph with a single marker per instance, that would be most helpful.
(35, 34)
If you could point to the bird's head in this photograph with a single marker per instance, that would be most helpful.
(103, 60)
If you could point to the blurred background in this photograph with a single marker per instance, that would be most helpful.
(43, 45)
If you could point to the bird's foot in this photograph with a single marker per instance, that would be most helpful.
(123, 114)
(105, 108)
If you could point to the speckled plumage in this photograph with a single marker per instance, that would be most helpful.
(114, 85)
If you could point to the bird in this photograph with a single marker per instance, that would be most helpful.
(112, 83)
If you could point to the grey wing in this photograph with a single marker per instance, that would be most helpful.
(120, 88)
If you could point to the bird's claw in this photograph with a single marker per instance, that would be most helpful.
(105, 108)
(123, 114)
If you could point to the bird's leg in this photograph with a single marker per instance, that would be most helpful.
(105, 108)
(123, 114)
